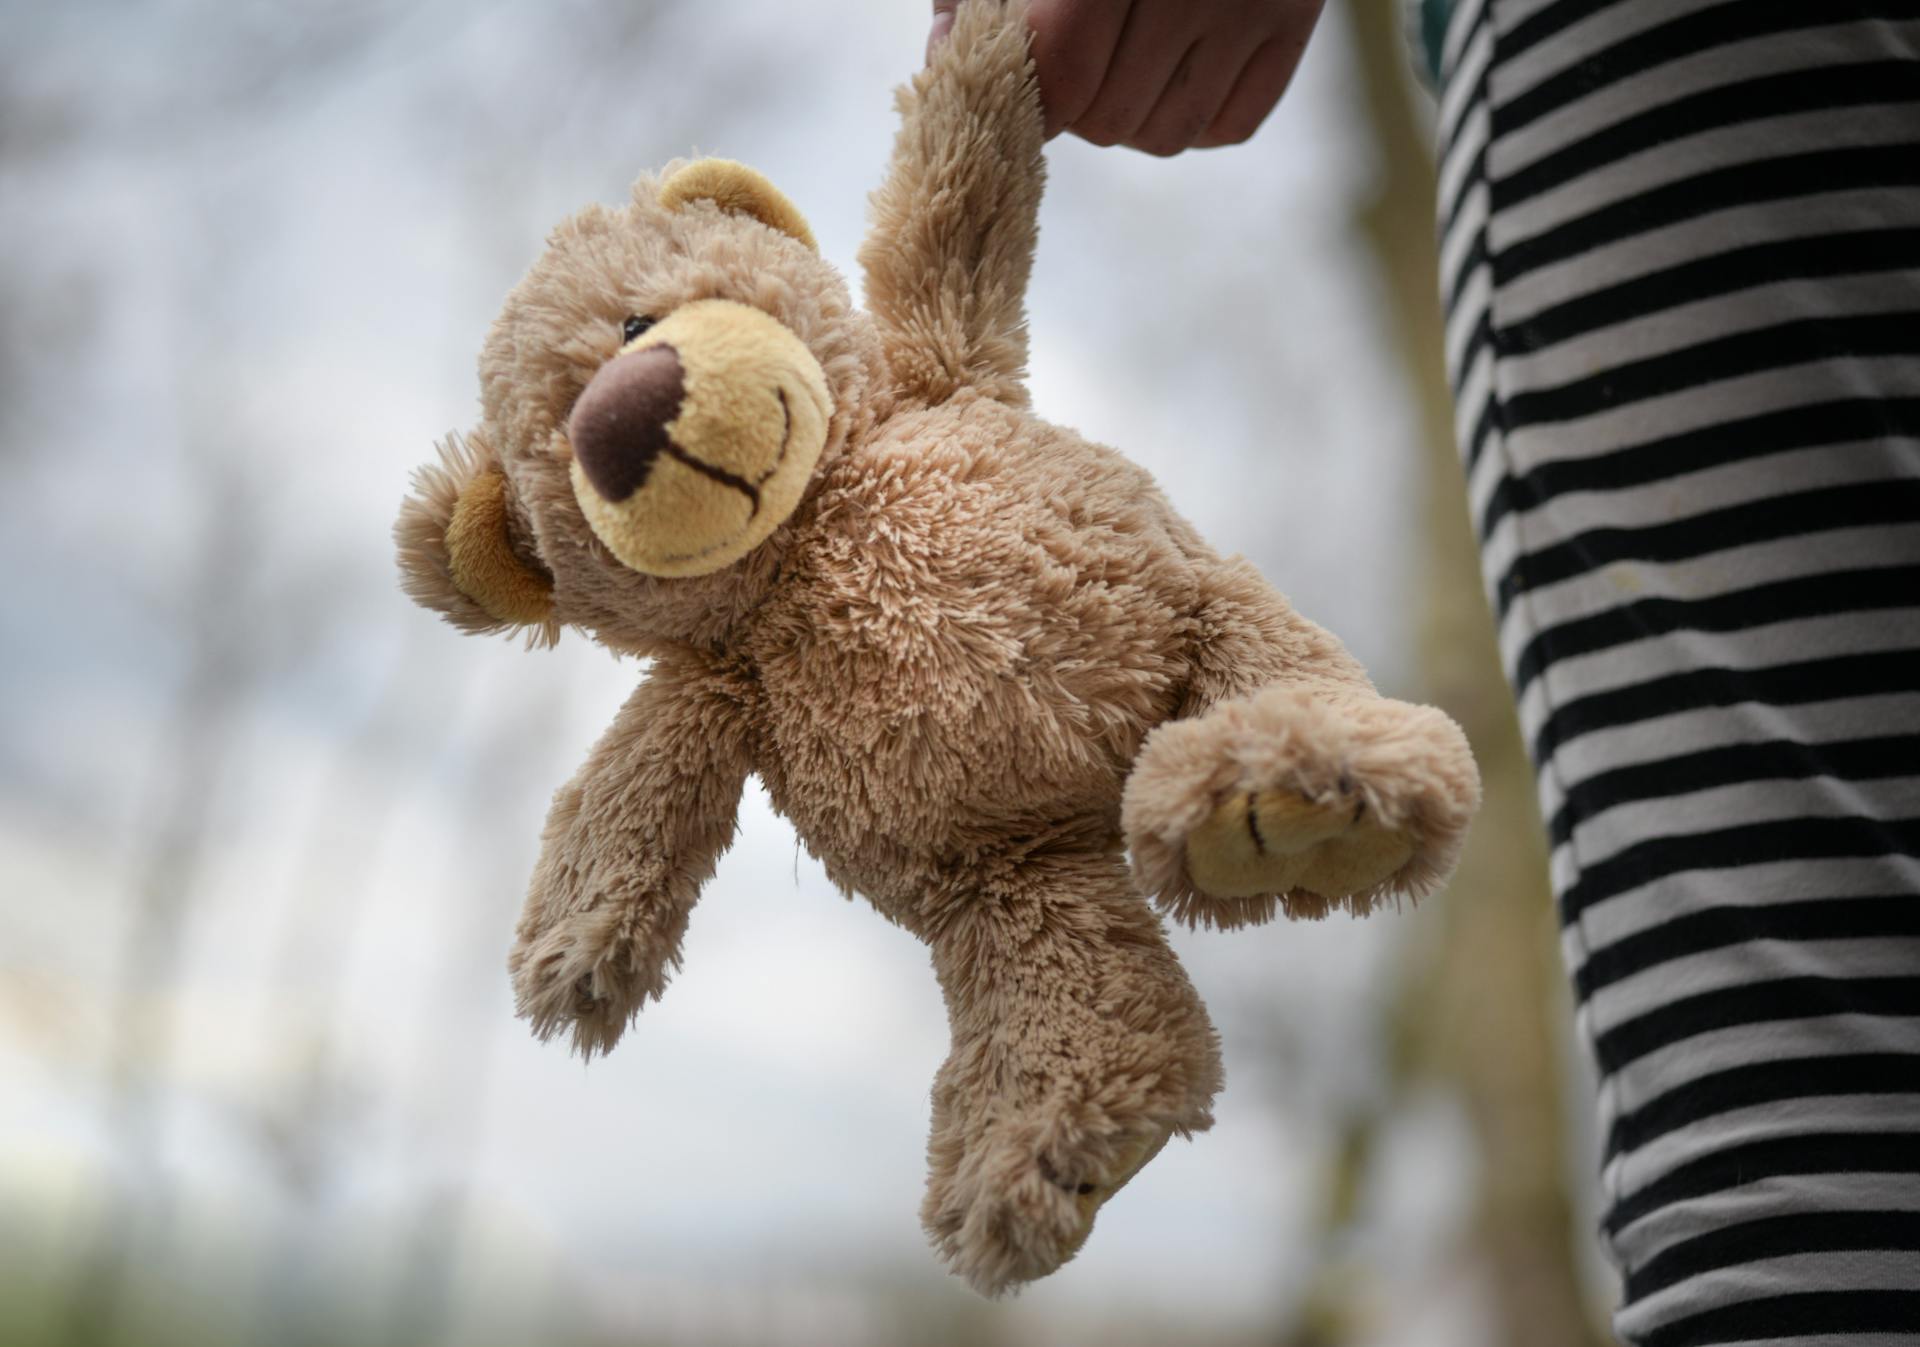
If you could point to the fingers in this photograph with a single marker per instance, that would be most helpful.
(1161, 75)
(1155, 44)
(1073, 45)
(1258, 88)
(1192, 98)
(942, 24)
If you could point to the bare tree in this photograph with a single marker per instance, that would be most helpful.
(167, 866)
(1480, 1009)
(472, 990)
(306, 1128)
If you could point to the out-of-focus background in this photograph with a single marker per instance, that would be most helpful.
(264, 827)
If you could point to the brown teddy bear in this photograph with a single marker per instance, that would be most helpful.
(973, 657)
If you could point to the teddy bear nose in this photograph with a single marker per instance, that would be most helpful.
(619, 426)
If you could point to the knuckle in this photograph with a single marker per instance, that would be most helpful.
(1104, 126)
(1069, 81)
(1171, 132)
(1235, 132)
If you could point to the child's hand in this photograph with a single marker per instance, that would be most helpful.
(1161, 75)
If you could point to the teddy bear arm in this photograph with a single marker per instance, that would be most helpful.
(953, 226)
(628, 844)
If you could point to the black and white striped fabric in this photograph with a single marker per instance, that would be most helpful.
(1680, 245)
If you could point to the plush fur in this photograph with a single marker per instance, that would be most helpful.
(975, 660)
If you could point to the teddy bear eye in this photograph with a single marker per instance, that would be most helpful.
(635, 326)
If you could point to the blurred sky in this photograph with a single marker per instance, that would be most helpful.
(249, 252)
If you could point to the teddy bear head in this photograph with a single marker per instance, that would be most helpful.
(659, 395)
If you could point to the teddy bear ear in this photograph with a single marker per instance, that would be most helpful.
(737, 188)
(456, 542)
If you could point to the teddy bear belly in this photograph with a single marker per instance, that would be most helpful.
(887, 811)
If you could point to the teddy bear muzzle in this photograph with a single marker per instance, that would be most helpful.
(696, 441)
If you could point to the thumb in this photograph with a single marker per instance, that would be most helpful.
(942, 23)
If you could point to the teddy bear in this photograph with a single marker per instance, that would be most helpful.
(998, 685)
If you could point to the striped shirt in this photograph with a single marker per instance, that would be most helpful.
(1680, 252)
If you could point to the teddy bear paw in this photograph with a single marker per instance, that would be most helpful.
(1013, 1210)
(579, 973)
(1298, 801)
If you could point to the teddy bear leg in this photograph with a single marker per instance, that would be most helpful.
(1290, 784)
(1299, 799)
(1079, 1047)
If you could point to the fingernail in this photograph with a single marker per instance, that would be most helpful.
(942, 23)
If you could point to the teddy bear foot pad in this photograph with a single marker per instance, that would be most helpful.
(1276, 841)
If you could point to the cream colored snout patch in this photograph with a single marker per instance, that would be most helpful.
(696, 442)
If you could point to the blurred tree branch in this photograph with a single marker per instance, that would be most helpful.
(168, 865)
(456, 1052)
(1478, 1009)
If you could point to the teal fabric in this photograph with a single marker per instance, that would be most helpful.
(1433, 33)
